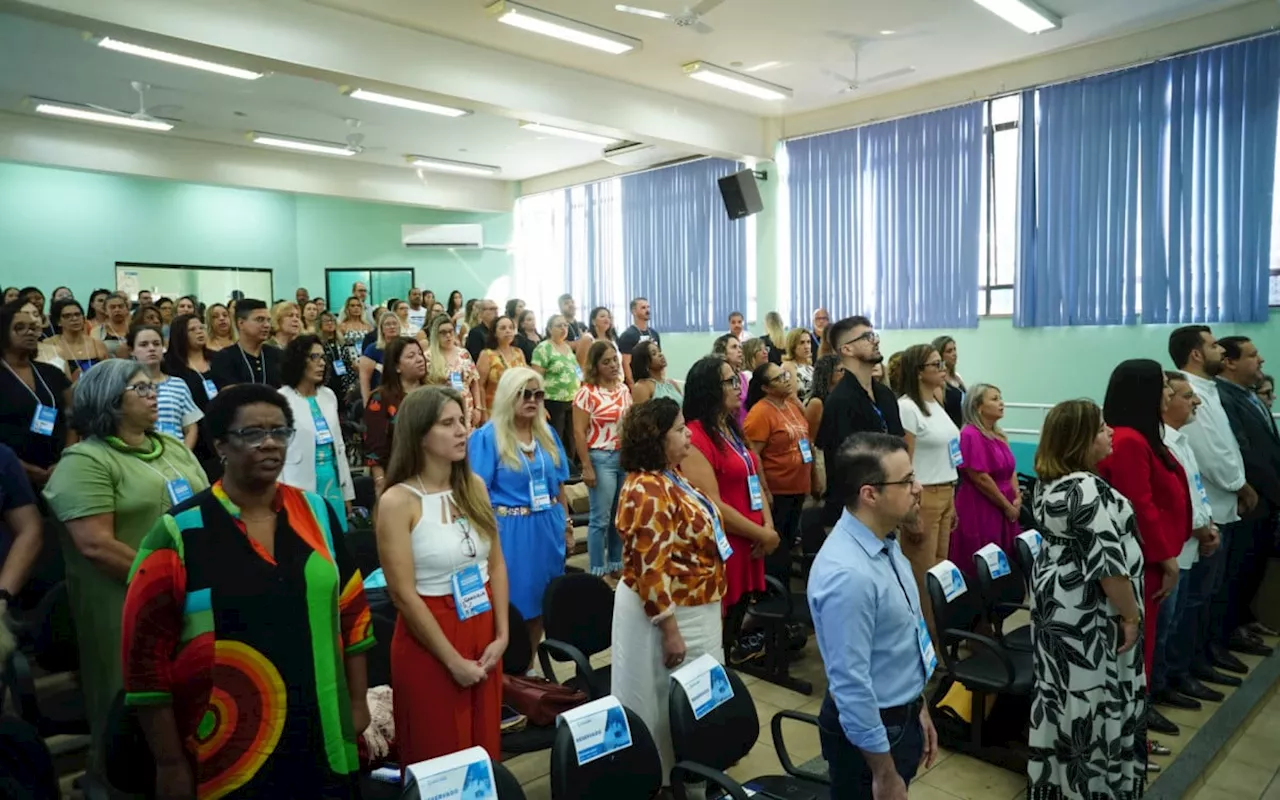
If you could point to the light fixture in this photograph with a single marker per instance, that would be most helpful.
(644, 12)
(538, 127)
(304, 145)
(765, 65)
(1022, 14)
(174, 58)
(563, 28)
(735, 81)
(404, 102)
(887, 33)
(445, 165)
(70, 111)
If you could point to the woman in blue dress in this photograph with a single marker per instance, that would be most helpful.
(524, 466)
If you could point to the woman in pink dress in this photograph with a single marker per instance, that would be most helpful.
(988, 501)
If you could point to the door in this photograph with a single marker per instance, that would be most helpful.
(383, 283)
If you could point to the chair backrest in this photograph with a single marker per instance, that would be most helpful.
(633, 773)
(378, 657)
(130, 767)
(363, 545)
(723, 736)
(962, 612)
(812, 534)
(1025, 555)
(577, 608)
(1008, 588)
(56, 647)
(26, 765)
(519, 653)
(506, 785)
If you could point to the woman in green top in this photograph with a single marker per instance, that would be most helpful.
(556, 362)
(108, 490)
(649, 370)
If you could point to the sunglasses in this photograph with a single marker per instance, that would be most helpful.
(533, 394)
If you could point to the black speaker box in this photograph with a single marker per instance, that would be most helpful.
(741, 194)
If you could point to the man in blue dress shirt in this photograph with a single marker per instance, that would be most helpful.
(874, 726)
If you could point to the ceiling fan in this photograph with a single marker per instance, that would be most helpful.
(143, 113)
(857, 81)
(691, 17)
(355, 139)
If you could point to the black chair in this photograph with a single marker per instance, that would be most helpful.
(1025, 556)
(51, 629)
(378, 657)
(26, 765)
(366, 494)
(363, 544)
(1027, 483)
(1001, 597)
(508, 788)
(515, 661)
(705, 748)
(777, 609)
(577, 612)
(633, 773)
(812, 535)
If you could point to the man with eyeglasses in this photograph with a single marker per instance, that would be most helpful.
(874, 724)
(821, 319)
(858, 403)
(478, 338)
(248, 361)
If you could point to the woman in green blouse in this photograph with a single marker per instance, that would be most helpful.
(108, 490)
(556, 362)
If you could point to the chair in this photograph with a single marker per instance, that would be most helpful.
(1026, 549)
(51, 629)
(705, 748)
(506, 784)
(363, 544)
(366, 495)
(1027, 483)
(26, 765)
(378, 657)
(775, 609)
(633, 773)
(577, 612)
(1001, 597)
(515, 661)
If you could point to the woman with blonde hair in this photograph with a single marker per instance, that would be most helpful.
(952, 394)
(524, 466)
(988, 500)
(286, 324)
(798, 360)
(775, 337)
(352, 328)
(449, 364)
(370, 364)
(217, 320)
(436, 530)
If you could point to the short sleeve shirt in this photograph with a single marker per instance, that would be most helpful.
(175, 407)
(633, 336)
(934, 434)
(562, 378)
(605, 408)
(15, 492)
(781, 429)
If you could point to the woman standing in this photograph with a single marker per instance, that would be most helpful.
(649, 371)
(317, 459)
(988, 501)
(400, 308)
(556, 362)
(370, 365)
(72, 344)
(755, 352)
(454, 306)
(515, 307)
(402, 373)
(598, 409)
(1086, 616)
(188, 358)
(500, 354)
(450, 365)
(147, 315)
(352, 328)
(186, 306)
(523, 465)
(668, 605)
(109, 490)
(97, 311)
(1266, 390)
(602, 325)
(826, 374)
(775, 338)
(246, 626)
(115, 329)
(286, 324)
(310, 314)
(34, 397)
(220, 331)
(953, 390)
(177, 412)
(798, 360)
(436, 532)
(340, 375)
(527, 336)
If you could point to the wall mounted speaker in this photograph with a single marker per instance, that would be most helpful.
(741, 194)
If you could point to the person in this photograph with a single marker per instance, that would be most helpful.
(96, 309)
(246, 627)
(108, 491)
(798, 360)
(188, 358)
(370, 365)
(450, 365)
(113, 331)
(860, 404)
(1266, 390)
(165, 306)
(321, 305)
(514, 308)
(602, 329)
(21, 539)
(638, 333)
(436, 533)
(729, 348)
(310, 314)
(340, 375)
(775, 338)
(317, 458)
(873, 725)
(35, 297)
(353, 327)
(818, 344)
(144, 298)
(286, 324)
(403, 372)
(400, 310)
(454, 305)
(361, 293)
(892, 376)
(416, 314)
(186, 306)
(78, 350)
(524, 466)
(217, 322)
(569, 310)
(527, 336)
(738, 327)
(755, 352)
(301, 296)
(667, 607)
(598, 408)
(177, 414)
(988, 500)
(1086, 588)
(723, 467)
(147, 315)
(649, 368)
(826, 374)
(500, 354)
(248, 360)
(482, 329)
(554, 360)
(777, 431)
(11, 294)
(952, 392)
(36, 397)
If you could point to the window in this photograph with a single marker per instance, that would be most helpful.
(999, 237)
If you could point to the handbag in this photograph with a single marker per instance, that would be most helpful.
(539, 699)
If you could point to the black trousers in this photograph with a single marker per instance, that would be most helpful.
(1235, 593)
(786, 521)
(849, 771)
(561, 414)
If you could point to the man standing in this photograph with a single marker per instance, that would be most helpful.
(640, 331)
(248, 361)
(417, 311)
(820, 321)
(302, 296)
(857, 403)
(358, 289)
(320, 305)
(144, 298)
(874, 724)
(478, 338)
(569, 310)
(738, 327)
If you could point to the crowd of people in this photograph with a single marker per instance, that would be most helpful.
(202, 460)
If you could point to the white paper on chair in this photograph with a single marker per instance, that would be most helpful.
(466, 775)
(1033, 541)
(950, 579)
(705, 684)
(599, 728)
(997, 561)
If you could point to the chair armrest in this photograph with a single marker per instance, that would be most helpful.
(563, 651)
(784, 758)
(955, 636)
(694, 772)
(776, 586)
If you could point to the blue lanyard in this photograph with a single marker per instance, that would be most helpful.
(743, 453)
(679, 480)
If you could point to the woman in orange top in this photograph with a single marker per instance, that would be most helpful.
(667, 608)
(500, 354)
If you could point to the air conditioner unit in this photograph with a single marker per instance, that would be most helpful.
(639, 154)
(457, 236)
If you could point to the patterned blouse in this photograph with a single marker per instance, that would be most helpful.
(248, 647)
(499, 364)
(563, 377)
(606, 408)
(460, 373)
(669, 553)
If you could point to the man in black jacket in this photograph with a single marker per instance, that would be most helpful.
(1248, 549)
(478, 338)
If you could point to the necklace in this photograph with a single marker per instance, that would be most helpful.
(62, 340)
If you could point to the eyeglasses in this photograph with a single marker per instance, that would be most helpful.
(907, 481)
(734, 381)
(315, 357)
(869, 336)
(533, 394)
(142, 389)
(257, 437)
(935, 364)
(783, 376)
(468, 544)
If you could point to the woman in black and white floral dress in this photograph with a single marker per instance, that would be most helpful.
(1088, 737)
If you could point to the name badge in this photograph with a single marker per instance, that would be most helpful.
(705, 684)
(927, 655)
(455, 380)
(950, 579)
(722, 541)
(467, 775)
(997, 561)
(539, 495)
(44, 419)
(954, 447)
(806, 452)
(210, 388)
(1204, 496)
(339, 367)
(757, 497)
(323, 434)
(1033, 540)
(179, 490)
(598, 728)
(577, 370)
(468, 592)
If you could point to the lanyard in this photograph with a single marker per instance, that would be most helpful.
(53, 400)
(743, 453)
(679, 480)
(262, 356)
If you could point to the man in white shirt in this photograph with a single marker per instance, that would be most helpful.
(738, 326)
(1198, 356)
(417, 311)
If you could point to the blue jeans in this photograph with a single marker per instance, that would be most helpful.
(601, 533)
(1171, 610)
(1188, 647)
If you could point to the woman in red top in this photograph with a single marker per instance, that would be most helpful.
(1142, 469)
(723, 468)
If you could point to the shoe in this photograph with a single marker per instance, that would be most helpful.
(1222, 659)
(1152, 766)
(1156, 749)
(1174, 699)
(1210, 675)
(749, 647)
(1261, 630)
(797, 636)
(1160, 724)
(1192, 687)
(1244, 644)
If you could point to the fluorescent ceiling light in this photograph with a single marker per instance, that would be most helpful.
(887, 33)
(735, 81)
(174, 58)
(458, 167)
(538, 127)
(404, 102)
(1023, 14)
(765, 65)
(90, 115)
(304, 145)
(644, 12)
(563, 28)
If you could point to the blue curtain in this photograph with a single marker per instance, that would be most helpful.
(680, 249)
(886, 220)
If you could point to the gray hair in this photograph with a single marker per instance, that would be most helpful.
(973, 400)
(96, 402)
